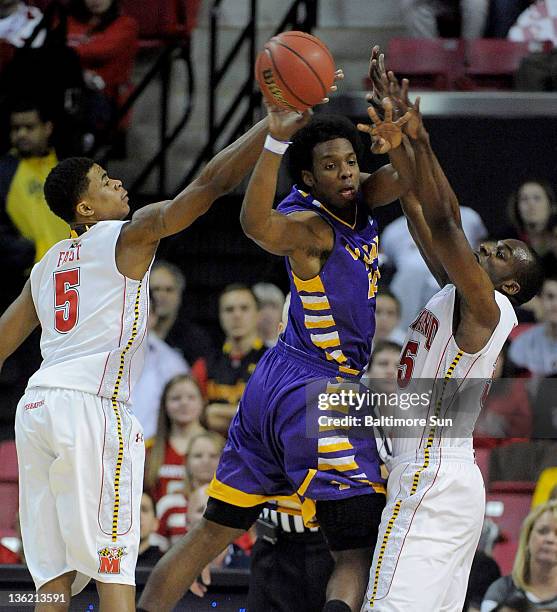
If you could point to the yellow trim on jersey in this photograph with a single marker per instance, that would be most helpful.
(312, 285)
(337, 467)
(305, 484)
(319, 322)
(415, 480)
(347, 370)
(114, 401)
(333, 448)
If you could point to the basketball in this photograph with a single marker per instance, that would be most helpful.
(295, 70)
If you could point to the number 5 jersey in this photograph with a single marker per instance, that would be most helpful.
(93, 318)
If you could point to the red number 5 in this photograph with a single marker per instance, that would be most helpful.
(66, 300)
(407, 363)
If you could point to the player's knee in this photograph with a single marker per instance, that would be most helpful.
(228, 515)
(351, 523)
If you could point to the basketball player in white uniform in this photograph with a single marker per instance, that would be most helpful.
(435, 497)
(80, 449)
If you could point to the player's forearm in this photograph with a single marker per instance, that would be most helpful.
(441, 178)
(227, 169)
(257, 206)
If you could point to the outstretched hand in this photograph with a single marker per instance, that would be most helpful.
(399, 95)
(283, 124)
(386, 134)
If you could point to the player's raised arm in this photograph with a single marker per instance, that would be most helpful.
(448, 239)
(275, 232)
(17, 322)
(224, 172)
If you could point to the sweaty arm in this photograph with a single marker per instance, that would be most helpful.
(17, 322)
(448, 240)
(139, 238)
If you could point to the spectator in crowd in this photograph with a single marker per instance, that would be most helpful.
(229, 371)
(550, 257)
(178, 424)
(162, 363)
(420, 16)
(167, 283)
(483, 573)
(148, 525)
(23, 172)
(413, 284)
(18, 21)
(530, 210)
(202, 457)
(533, 583)
(106, 41)
(506, 411)
(387, 318)
(381, 376)
(535, 350)
(271, 303)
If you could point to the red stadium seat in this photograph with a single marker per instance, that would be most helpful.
(492, 62)
(508, 510)
(8, 462)
(9, 495)
(520, 487)
(428, 63)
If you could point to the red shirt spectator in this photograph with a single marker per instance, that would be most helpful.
(105, 40)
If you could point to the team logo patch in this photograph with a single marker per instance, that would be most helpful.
(109, 559)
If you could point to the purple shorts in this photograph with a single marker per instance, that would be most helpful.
(269, 454)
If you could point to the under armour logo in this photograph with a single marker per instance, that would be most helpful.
(138, 438)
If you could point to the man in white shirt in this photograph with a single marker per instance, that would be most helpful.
(18, 21)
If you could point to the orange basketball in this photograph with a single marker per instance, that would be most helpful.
(295, 70)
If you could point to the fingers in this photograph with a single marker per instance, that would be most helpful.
(404, 92)
(388, 106)
(417, 103)
(382, 64)
(339, 74)
(404, 119)
(206, 575)
(373, 115)
(198, 589)
(368, 129)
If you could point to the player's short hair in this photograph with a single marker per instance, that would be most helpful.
(321, 128)
(530, 276)
(65, 185)
(239, 287)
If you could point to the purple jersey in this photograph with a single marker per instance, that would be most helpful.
(332, 316)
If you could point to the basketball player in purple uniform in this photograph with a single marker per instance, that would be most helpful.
(330, 242)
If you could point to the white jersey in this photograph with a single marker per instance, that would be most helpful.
(93, 318)
(431, 354)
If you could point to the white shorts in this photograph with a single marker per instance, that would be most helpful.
(428, 535)
(80, 483)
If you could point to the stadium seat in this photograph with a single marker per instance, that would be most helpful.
(8, 462)
(492, 62)
(9, 495)
(508, 510)
(428, 63)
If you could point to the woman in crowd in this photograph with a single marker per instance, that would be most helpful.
(203, 453)
(530, 210)
(179, 423)
(533, 583)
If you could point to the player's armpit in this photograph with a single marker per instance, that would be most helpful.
(382, 187)
(294, 234)
(17, 323)
(471, 280)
